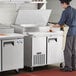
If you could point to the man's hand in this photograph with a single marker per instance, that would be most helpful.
(56, 25)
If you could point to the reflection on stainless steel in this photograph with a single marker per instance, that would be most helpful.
(2, 34)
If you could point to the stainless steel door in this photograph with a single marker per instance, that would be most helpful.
(55, 51)
(0, 55)
(12, 51)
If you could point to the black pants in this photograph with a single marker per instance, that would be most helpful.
(70, 52)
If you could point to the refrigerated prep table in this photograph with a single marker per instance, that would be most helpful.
(35, 49)
(33, 24)
(11, 52)
(44, 48)
(0, 55)
(28, 23)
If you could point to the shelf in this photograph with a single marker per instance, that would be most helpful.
(39, 2)
(4, 0)
(30, 2)
(22, 2)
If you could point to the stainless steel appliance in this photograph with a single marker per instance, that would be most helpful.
(12, 52)
(35, 38)
(54, 48)
(33, 24)
(35, 51)
(6, 30)
(0, 55)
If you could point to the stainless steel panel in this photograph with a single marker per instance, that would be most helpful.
(35, 51)
(6, 30)
(12, 51)
(0, 55)
(54, 50)
(37, 17)
(39, 59)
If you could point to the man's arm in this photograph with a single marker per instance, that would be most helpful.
(62, 21)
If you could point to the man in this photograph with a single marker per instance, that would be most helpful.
(69, 18)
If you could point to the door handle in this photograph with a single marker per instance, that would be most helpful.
(10, 42)
(39, 53)
(52, 39)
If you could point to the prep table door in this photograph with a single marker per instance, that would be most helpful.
(0, 55)
(55, 52)
(12, 54)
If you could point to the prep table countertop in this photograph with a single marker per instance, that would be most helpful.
(45, 33)
(10, 35)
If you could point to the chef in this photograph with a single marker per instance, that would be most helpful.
(69, 18)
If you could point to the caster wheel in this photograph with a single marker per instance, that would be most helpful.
(17, 70)
(61, 66)
(31, 69)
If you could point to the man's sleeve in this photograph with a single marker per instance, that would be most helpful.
(63, 19)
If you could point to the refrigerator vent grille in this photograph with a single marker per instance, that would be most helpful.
(39, 59)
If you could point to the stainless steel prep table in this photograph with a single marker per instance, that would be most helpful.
(11, 52)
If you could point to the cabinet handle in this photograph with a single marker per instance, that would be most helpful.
(6, 43)
(38, 53)
(52, 39)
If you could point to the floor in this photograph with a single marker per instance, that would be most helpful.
(54, 71)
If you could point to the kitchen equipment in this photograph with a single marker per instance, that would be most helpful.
(24, 22)
(28, 25)
(54, 48)
(35, 51)
(7, 17)
(0, 55)
(6, 30)
(35, 37)
(12, 53)
(36, 17)
(35, 41)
